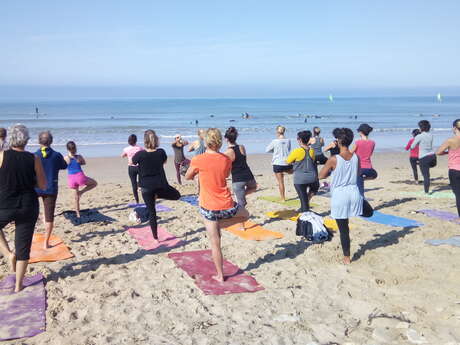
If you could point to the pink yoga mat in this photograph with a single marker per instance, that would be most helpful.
(199, 266)
(22, 314)
(145, 239)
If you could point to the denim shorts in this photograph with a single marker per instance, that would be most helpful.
(215, 215)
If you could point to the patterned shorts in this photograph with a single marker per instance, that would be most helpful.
(220, 214)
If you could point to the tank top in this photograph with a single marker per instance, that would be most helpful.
(240, 168)
(317, 146)
(17, 178)
(74, 167)
(453, 161)
(201, 149)
(305, 170)
(345, 173)
(179, 156)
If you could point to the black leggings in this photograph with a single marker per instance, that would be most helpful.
(25, 219)
(454, 178)
(426, 163)
(344, 235)
(133, 171)
(303, 190)
(149, 196)
(413, 163)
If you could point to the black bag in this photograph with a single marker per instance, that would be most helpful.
(184, 165)
(304, 228)
(368, 211)
(433, 162)
(142, 213)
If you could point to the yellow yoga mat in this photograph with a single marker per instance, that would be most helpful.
(288, 202)
(253, 232)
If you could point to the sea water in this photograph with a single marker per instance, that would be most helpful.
(100, 127)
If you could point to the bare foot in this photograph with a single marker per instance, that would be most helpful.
(219, 278)
(46, 245)
(12, 262)
(346, 260)
(19, 288)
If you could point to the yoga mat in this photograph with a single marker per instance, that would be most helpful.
(145, 239)
(190, 199)
(443, 215)
(200, 267)
(253, 232)
(22, 314)
(329, 223)
(433, 195)
(57, 251)
(390, 220)
(158, 207)
(289, 202)
(86, 216)
(452, 241)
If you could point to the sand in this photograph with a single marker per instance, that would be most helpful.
(398, 290)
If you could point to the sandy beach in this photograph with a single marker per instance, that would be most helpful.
(398, 290)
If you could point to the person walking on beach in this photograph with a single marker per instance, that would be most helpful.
(152, 177)
(280, 148)
(413, 155)
(317, 145)
(216, 204)
(426, 156)
(364, 148)
(133, 171)
(305, 171)
(243, 181)
(346, 199)
(179, 157)
(451, 147)
(52, 162)
(20, 173)
(76, 178)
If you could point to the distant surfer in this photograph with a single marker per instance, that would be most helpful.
(36, 112)
(196, 123)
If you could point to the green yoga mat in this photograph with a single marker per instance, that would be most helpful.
(434, 195)
(288, 202)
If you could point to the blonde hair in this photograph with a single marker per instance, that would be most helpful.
(201, 133)
(213, 138)
(280, 129)
(151, 141)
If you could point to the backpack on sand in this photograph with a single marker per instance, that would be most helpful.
(310, 225)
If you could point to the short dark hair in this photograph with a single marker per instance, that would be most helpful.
(304, 137)
(415, 132)
(365, 129)
(45, 138)
(335, 132)
(2, 133)
(132, 139)
(456, 124)
(231, 134)
(424, 125)
(345, 136)
(316, 130)
(71, 147)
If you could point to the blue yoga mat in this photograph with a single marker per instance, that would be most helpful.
(390, 220)
(191, 199)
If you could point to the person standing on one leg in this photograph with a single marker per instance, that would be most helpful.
(20, 173)
(364, 148)
(152, 177)
(216, 203)
(179, 157)
(451, 147)
(346, 199)
(413, 158)
(52, 162)
(426, 155)
(133, 171)
(317, 146)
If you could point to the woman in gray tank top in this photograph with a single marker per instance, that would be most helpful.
(317, 146)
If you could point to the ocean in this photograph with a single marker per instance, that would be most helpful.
(100, 127)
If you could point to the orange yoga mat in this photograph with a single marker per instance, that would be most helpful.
(57, 251)
(253, 232)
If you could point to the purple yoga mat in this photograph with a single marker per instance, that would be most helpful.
(450, 217)
(159, 207)
(22, 314)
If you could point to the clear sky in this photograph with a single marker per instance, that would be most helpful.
(230, 48)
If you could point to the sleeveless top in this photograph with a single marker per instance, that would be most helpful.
(345, 173)
(17, 178)
(74, 167)
(305, 170)
(179, 156)
(453, 161)
(317, 146)
(240, 168)
(201, 149)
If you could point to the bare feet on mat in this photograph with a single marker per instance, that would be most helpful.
(219, 278)
(46, 245)
(12, 262)
(346, 260)
(19, 288)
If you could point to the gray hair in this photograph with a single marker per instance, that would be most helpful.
(19, 135)
(45, 138)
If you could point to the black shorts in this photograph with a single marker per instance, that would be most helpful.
(282, 168)
(49, 205)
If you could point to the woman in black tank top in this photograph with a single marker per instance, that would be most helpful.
(243, 182)
(20, 173)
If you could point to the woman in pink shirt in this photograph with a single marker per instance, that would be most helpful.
(451, 147)
(413, 156)
(133, 170)
(364, 148)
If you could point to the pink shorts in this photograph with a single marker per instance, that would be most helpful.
(76, 180)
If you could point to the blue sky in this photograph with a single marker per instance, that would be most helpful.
(234, 48)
